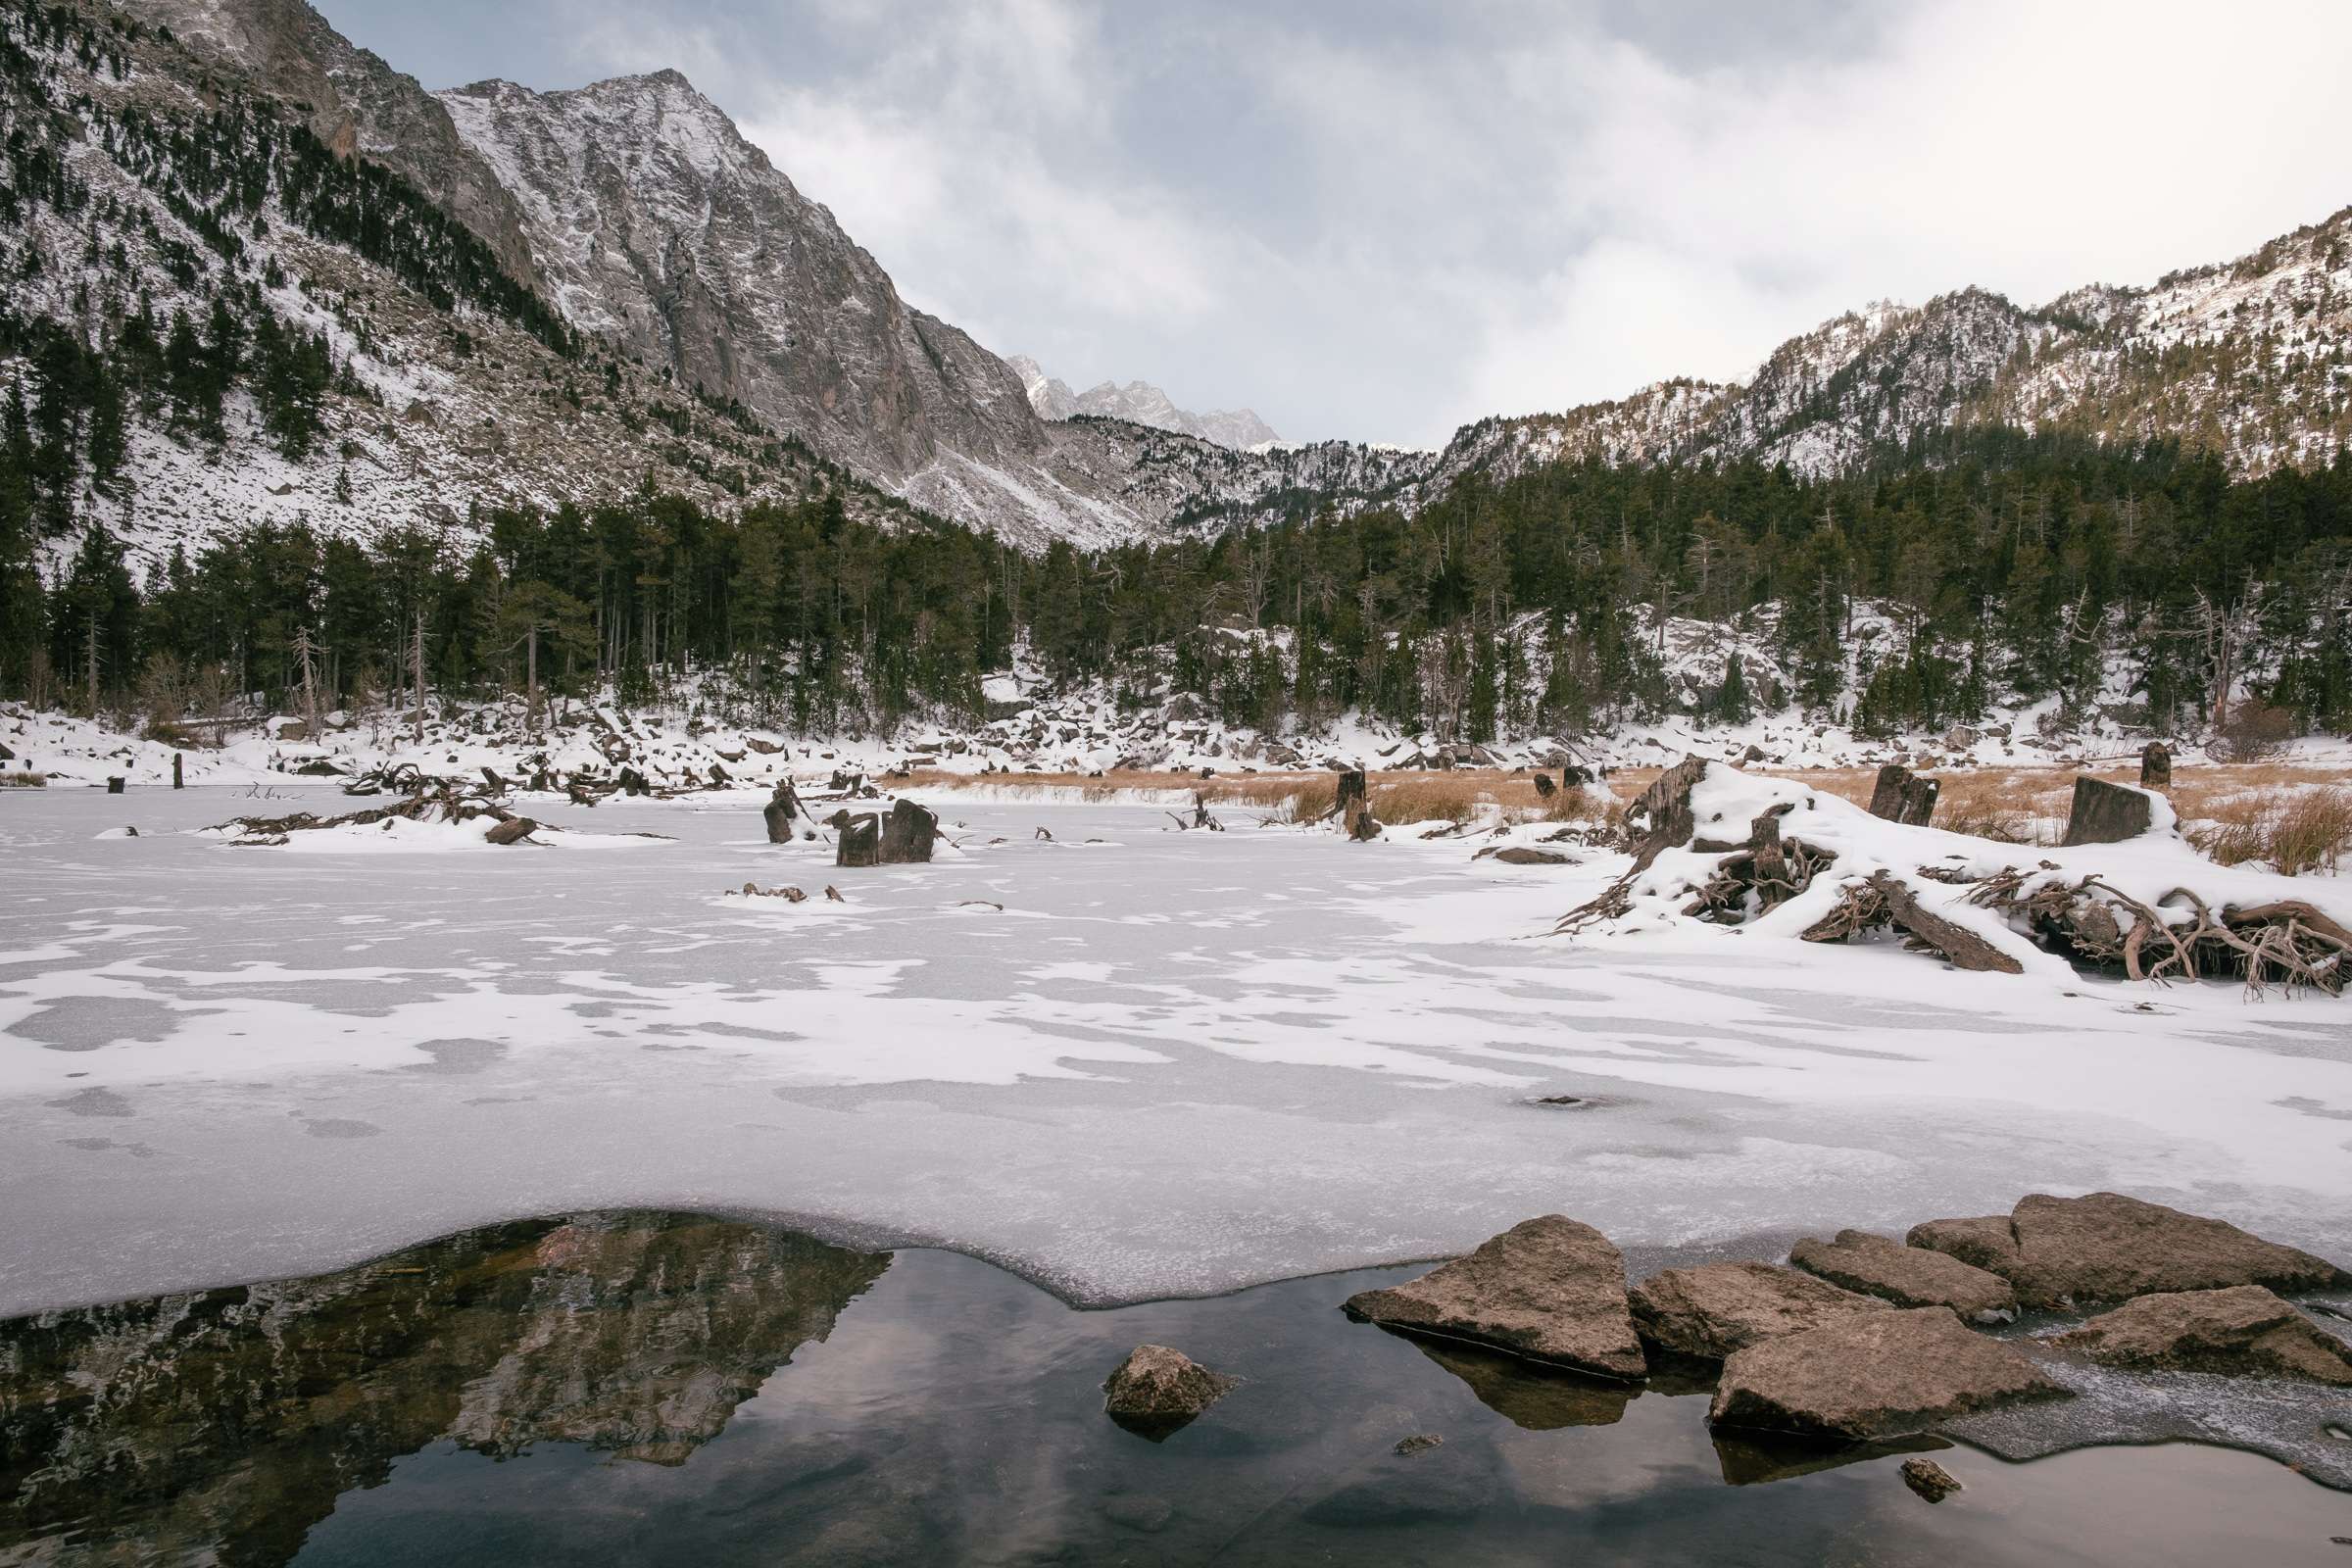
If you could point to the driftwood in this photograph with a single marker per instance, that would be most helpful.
(2179, 937)
(1886, 900)
(2105, 813)
(1903, 796)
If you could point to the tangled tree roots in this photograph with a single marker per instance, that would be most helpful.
(2287, 942)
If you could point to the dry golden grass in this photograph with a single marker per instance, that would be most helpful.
(2298, 833)
(2292, 815)
(23, 781)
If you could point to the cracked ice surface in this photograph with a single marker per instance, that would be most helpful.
(1172, 1064)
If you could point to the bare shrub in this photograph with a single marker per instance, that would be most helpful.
(2252, 731)
(23, 781)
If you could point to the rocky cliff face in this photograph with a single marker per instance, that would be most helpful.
(652, 223)
(355, 102)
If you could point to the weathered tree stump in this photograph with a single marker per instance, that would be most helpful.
(1545, 787)
(2106, 813)
(781, 809)
(490, 776)
(177, 782)
(114, 786)
(861, 838)
(1354, 806)
(633, 782)
(514, 830)
(907, 834)
(1665, 806)
(2155, 766)
(1903, 796)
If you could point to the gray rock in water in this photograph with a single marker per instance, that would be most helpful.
(1549, 1289)
(1156, 1384)
(2108, 1247)
(1928, 1479)
(1874, 1374)
(1419, 1442)
(2245, 1329)
(1907, 1276)
(1716, 1309)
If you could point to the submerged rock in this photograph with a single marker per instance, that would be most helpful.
(1716, 1309)
(1872, 1374)
(1549, 1289)
(2245, 1329)
(1907, 1276)
(1419, 1442)
(1158, 1385)
(2109, 1247)
(1928, 1479)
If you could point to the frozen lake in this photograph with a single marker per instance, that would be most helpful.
(1171, 1063)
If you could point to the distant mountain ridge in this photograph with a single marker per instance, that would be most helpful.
(636, 210)
(1140, 402)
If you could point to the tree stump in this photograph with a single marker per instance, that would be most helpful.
(781, 809)
(2106, 813)
(1544, 788)
(860, 840)
(177, 782)
(1666, 808)
(907, 835)
(1903, 796)
(114, 786)
(2155, 766)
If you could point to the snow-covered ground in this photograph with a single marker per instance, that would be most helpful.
(1170, 1062)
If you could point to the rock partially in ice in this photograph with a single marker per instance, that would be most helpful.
(1907, 1276)
(1158, 1389)
(1549, 1289)
(2245, 1329)
(2110, 1247)
(1717, 1310)
(1874, 1374)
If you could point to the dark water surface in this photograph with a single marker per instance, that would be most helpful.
(662, 1388)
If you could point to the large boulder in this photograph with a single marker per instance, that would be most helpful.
(1716, 1309)
(1874, 1374)
(1156, 1387)
(2060, 1252)
(1549, 1289)
(1907, 1276)
(2239, 1331)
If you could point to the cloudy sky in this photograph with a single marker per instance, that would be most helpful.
(1377, 220)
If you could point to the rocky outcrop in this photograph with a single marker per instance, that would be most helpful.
(1156, 1384)
(653, 222)
(1549, 1289)
(2059, 1251)
(1874, 1374)
(1718, 1310)
(1907, 1276)
(2242, 1331)
(356, 104)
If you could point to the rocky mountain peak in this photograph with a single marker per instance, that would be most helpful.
(1140, 402)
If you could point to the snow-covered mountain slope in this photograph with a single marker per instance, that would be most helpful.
(652, 223)
(1140, 402)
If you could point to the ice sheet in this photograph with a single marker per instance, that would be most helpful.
(1172, 1064)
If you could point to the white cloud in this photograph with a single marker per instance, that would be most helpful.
(1383, 230)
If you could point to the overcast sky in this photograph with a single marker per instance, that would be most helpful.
(1379, 219)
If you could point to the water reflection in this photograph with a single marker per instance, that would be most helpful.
(659, 1387)
(232, 1419)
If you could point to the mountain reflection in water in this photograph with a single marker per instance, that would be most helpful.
(234, 1418)
(641, 1387)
